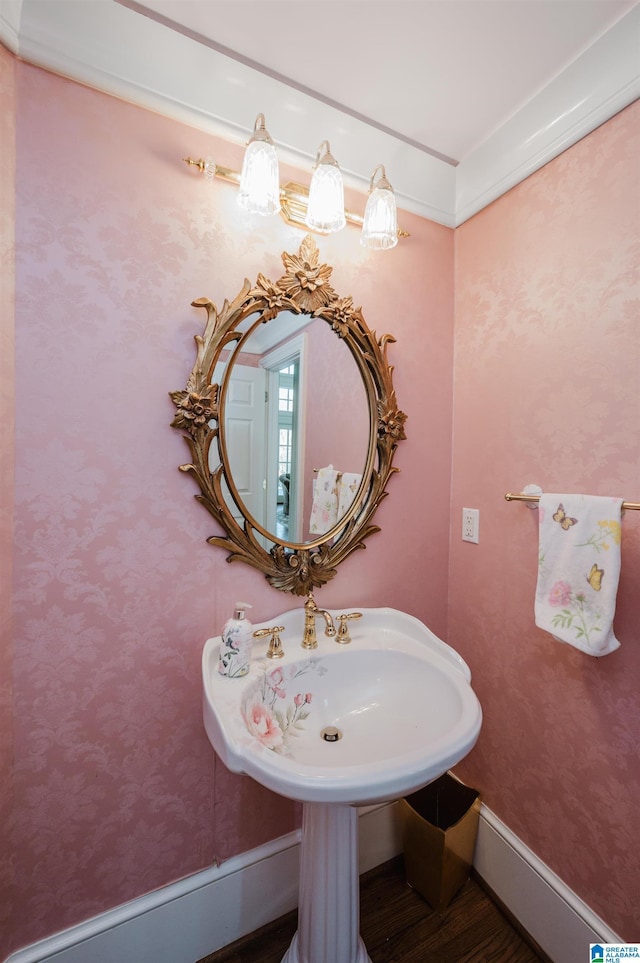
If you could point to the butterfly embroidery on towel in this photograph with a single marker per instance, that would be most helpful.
(594, 578)
(563, 519)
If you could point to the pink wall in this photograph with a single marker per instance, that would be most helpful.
(337, 411)
(547, 375)
(115, 590)
(116, 790)
(7, 413)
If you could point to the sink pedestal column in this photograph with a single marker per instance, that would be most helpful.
(329, 904)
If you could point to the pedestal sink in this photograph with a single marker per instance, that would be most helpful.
(338, 727)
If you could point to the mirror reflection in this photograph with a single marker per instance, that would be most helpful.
(296, 428)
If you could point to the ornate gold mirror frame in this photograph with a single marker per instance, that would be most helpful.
(303, 289)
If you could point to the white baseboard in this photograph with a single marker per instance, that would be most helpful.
(187, 920)
(558, 920)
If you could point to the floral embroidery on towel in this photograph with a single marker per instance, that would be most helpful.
(577, 615)
(609, 529)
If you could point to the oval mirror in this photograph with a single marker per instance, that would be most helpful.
(296, 416)
(296, 392)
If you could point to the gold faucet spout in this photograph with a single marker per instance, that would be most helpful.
(311, 613)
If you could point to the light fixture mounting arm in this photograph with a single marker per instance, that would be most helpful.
(293, 196)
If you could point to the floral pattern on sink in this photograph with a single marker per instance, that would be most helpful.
(274, 713)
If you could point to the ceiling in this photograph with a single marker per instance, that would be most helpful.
(441, 74)
(459, 99)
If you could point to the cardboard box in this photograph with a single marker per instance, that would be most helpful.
(440, 824)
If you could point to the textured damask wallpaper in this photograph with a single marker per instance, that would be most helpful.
(336, 398)
(7, 227)
(116, 790)
(547, 377)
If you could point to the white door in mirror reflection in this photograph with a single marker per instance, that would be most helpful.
(286, 432)
(244, 428)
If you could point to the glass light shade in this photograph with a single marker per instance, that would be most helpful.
(380, 227)
(325, 208)
(259, 191)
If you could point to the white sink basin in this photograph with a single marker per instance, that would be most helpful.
(399, 696)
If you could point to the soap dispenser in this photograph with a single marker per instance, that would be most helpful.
(235, 647)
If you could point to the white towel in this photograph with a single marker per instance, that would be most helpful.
(348, 485)
(324, 509)
(578, 570)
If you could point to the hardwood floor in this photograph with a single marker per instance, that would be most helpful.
(398, 926)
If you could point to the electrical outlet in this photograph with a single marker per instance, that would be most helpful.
(470, 525)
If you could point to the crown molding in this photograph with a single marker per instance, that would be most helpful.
(10, 24)
(600, 83)
(99, 44)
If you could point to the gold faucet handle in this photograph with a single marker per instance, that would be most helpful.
(343, 631)
(275, 650)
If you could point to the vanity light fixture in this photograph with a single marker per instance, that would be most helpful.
(380, 228)
(294, 201)
(325, 210)
(259, 180)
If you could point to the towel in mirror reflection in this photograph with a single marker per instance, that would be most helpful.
(333, 494)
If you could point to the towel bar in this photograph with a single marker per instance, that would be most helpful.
(513, 497)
